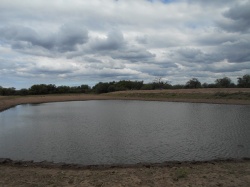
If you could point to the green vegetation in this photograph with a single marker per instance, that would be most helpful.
(225, 82)
(193, 83)
(244, 82)
(41, 89)
(117, 86)
(180, 173)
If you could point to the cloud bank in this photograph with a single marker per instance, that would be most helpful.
(84, 42)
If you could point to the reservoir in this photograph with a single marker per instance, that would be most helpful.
(124, 132)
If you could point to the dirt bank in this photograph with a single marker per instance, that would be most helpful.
(212, 95)
(10, 101)
(213, 173)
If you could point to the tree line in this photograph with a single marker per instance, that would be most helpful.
(105, 87)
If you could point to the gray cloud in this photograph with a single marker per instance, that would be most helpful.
(231, 67)
(236, 51)
(142, 39)
(115, 46)
(47, 71)
(215, 38)
(193, 55)
(66, 39)
(212, 3)
(238, 18)
(114, 41)
(18, 33)
(69, 36)
(133, 55)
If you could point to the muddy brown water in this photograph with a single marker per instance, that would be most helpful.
(124, 132)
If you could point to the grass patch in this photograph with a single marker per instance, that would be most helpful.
(237, 95)
(180, 173)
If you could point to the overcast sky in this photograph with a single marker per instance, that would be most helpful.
(74, 42)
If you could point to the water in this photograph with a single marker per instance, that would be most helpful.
(124, 132)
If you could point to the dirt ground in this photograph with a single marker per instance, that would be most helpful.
(212, 173)
(10, 101)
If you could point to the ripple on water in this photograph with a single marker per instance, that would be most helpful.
(124, 132)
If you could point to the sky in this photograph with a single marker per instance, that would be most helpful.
(74, 42)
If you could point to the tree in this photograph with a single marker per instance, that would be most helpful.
(101, 87)
(158, 83)
(84, 88)
(8, 91)
(136, 85)
(225, 82)
(193, 83)
(178, 86)
(111, 88)
(167, 85)
(206, 85)
(147, 87)
(39, 89)
(122, 85)
(51, 88)
(244, 82)
(63, 89)
(23, 91)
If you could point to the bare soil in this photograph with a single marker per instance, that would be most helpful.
(211, 173)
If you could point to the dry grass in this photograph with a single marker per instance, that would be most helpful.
(200, 90)
(210, 95)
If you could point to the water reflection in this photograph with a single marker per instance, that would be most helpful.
(113, 132)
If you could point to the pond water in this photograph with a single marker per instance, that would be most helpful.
(124, 132)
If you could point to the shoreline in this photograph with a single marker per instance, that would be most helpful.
(183, 95)
(63, 165)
